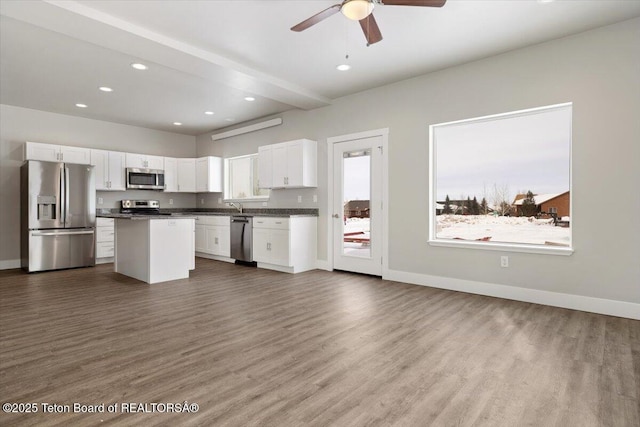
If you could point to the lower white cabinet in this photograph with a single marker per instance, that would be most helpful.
(213, 236)
(104, 240)
(287, 244)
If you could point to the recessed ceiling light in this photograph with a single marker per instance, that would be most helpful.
(545, 1)
(249, 98)
(209, 113)
(81, 105)
(228, 119)
(139, 66)
(105, 89)
(343, 67)
(177, 123)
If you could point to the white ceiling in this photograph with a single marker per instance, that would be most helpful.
(209, 55)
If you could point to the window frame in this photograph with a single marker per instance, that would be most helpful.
(227, 181)
(494, 246)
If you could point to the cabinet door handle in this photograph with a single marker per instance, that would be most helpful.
(216, 240)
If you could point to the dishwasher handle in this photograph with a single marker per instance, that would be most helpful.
(243, 220)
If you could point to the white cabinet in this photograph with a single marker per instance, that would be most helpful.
(144, 161)
(187, 175)
(265, 166)
(285, 244)
(56, 153)
(104, 240)
(179, 175)
(213, 235)
(290, 164)
(108, 169)
(209, 174)
(170, 175)
(154, 250)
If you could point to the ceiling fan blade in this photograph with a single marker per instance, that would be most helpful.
(371, 29)
(317, 18)
(425, 3)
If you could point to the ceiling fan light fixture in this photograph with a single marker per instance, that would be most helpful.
(357, 9)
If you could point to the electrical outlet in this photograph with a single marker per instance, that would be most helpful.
(315, 198)
(100, 200)
(299, 199)
(219, 200)
(504, 261)
(202, 201)
(170, 201)
(264, 204)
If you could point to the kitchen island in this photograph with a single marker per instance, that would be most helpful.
(154, 248)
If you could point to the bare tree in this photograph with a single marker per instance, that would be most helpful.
(501, 198)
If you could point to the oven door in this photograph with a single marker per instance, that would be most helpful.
(147, 179)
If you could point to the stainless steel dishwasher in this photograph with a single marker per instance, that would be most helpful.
(241, 238)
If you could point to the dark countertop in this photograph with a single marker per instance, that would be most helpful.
(193, 213)
(138, 217)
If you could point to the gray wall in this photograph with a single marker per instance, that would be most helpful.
(18, 125)
(599, 71)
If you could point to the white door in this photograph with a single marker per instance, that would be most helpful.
(357, 205)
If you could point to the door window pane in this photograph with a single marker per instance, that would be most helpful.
(356, 193)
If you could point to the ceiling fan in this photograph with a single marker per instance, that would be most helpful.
(361, 10)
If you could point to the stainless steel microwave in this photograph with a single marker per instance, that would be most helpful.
(145, 179)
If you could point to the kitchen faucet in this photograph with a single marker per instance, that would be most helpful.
(237, 206)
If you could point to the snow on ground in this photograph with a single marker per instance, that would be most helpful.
(501, 229)
(353, 225)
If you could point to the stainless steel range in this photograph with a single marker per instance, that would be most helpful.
(141, 207)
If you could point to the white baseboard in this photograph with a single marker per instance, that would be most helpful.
(9, 264)
(576, 302)
(323, 265)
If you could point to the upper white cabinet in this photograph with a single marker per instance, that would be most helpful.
(290, 164)
(179, 175)
(265, 166)
(209, 174)
(109, 169)
(144, 161)
(187, 175)
(56, 153)
(170, 175)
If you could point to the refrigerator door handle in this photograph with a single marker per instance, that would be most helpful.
(61, 204)
(60, 233)
(66, 195)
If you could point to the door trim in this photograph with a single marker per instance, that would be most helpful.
(384, 134)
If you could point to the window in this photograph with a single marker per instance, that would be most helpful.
(503, 181)
(241, 179)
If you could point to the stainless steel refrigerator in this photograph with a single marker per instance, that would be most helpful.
(58, 215)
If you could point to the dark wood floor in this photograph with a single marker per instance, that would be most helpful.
(256, 347)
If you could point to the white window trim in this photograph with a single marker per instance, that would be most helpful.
(496, 246)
